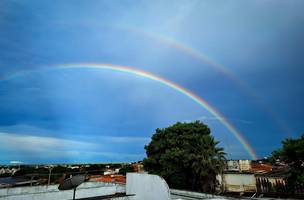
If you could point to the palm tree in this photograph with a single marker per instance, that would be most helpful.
(209, 160)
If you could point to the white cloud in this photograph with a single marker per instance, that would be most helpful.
(27, 148)
(14, 162)
(39, 143)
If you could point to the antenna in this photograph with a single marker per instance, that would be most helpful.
(72, 183)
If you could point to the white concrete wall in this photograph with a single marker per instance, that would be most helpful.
(182, 194)
(187, 195)
(87, 189)
(239, 182)
(147, 187)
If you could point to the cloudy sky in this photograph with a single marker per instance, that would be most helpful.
(244, 58)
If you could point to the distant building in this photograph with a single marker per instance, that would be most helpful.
(274, 180)
(73, 167)
(238, 177)
(109, 172)
(232, 165)
(138, 167)
(238, 165)
(117, 178)
(245, 165)
(261, 168)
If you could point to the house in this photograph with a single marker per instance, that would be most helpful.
(117, 178)
(232, 165)
(245, 165)
(261, 168)
(238, 165)
(274, 180)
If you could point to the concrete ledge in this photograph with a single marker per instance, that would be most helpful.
(117, 196)
(85, 190)
(182, 194)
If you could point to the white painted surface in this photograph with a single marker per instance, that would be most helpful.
(239, 182)
(187, 195)
(147, 187)
(87, 189)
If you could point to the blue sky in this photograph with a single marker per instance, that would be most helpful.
(79, 115)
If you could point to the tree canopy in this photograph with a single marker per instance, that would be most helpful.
(186, 155)
(126, 169)
(292, 154)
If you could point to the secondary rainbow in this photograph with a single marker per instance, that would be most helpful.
(203, 58)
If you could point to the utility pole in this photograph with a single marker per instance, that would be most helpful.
(32, 177)
(74, 192)
(50, 171)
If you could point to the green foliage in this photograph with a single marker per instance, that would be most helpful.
(95, 169)
(186, 155)
(27, 170)
(125, 169)
(60, 170)
(292, 153)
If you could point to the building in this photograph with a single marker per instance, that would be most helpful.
(232, 165)
(238, 165)
(117, 178)
(138, 167)
(110, 172)
(272, 181)
(245, 165)
(261, 168)
(235, 182)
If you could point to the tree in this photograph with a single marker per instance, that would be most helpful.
(186, 155)
(95, 169)
(292, 153)
(125, 169)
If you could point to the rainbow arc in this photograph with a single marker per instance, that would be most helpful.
(130, 70)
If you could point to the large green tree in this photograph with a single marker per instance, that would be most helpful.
(186, 155)
(292, 153)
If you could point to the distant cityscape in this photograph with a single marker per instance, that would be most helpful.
(242, 177)
(25, 175)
